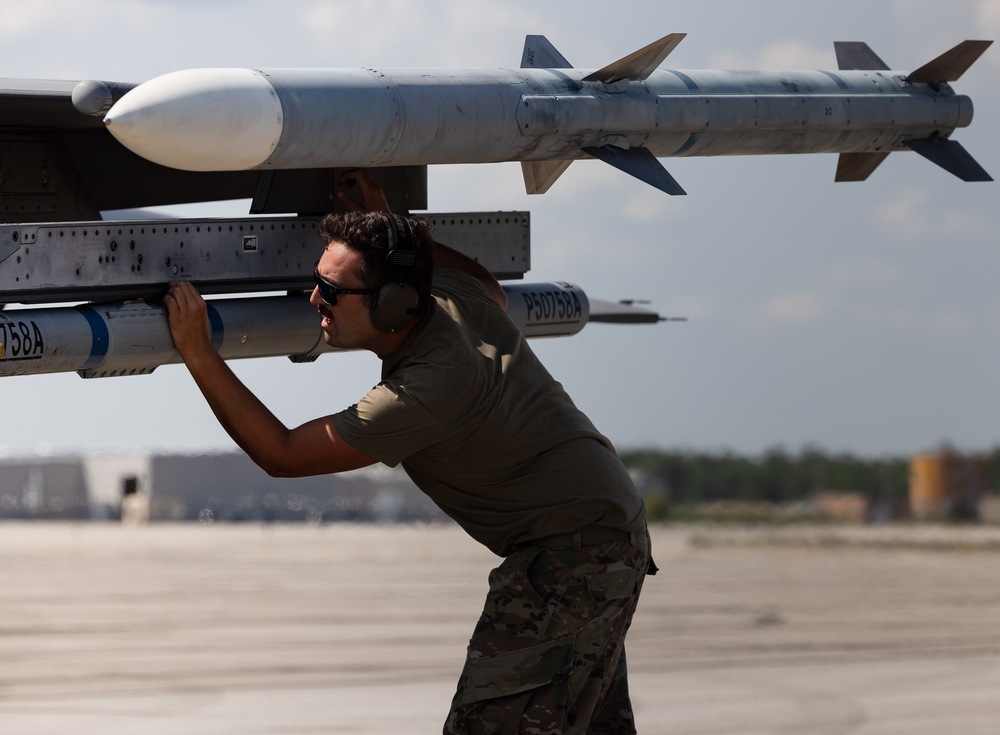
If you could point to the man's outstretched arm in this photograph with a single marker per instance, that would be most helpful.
(446, 257)
(315, 448)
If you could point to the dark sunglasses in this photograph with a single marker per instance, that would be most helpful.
(329, 291)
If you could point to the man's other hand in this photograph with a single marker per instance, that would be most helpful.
(372, 197)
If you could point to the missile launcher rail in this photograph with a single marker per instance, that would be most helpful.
(136, 259)
(122, 268)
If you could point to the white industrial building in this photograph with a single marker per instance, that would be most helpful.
(140, 486)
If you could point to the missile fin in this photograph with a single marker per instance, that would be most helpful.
(539, 53)
(950, 65)
(857, 55)
(858, 166)
(639, 64)
(640, 163)
(540, 175)
(951, 156)
(621, 312)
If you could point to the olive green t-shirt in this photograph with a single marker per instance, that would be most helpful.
(482, 428)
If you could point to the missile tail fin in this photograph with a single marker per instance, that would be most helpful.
(623, 312)
(950, 65)
(858, 166)
(640, 163)
(951, 156)
(540, 175)
(539, 53)
(857, 55)
(639, 64)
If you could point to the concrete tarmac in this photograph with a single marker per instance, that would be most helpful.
(295, 629)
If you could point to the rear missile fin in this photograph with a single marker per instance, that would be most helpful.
(539, 53)
(857, 55)
(638, 65)
(640, 163)
(951, 156)
(950, 65)
(622, 312)
(858, 166)
(539, 176)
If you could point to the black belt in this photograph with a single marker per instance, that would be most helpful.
(587, 536)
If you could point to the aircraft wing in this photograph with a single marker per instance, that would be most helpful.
(62, 165)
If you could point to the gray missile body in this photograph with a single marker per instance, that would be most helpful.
(628, 114)
(107, 340)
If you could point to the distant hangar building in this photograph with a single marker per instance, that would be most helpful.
(226, 486)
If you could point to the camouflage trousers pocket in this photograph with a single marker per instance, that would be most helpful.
(514, 672)
(614, 584)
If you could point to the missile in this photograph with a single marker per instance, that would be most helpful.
(106, 340)
(547, 114)
(116, 339)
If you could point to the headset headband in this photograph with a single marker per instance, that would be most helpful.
(402, 254)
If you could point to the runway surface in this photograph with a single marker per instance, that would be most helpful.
(298, 629)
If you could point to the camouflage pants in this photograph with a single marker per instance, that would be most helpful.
(547, 656)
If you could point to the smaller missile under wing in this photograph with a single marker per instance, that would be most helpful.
(546, 114)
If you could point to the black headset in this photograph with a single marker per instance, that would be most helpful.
(396, 302)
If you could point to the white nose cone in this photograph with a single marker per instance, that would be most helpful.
(200, 119)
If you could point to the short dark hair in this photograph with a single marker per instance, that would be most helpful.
(367, 233)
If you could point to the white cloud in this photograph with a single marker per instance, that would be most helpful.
(788, 54)
(384, 32)
(862, 273)
(941, 322)
(42, 19)
(914, 216)
(387, 24)
(701, 306)
(988, 18)
(796, 308)
(649, 205)
(906, 216)
(948, 322)
(956, 224)
(327, 19)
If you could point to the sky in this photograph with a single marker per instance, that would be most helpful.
(859, 318)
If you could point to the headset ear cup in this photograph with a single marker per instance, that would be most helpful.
(395, 304)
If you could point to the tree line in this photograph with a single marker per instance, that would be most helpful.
(776, 476)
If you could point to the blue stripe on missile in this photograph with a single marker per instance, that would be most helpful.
(838, 79)
(99, 336)
(688, 145)
(688, 81)
(218, 328)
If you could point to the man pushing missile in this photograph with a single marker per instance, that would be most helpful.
(482, 428)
